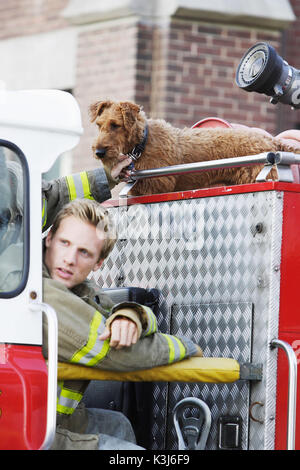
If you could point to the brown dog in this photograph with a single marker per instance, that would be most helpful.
(124, 129)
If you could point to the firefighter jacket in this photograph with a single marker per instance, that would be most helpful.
(80, 323)
(93, 184)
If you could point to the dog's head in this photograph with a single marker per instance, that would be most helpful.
(120, 126)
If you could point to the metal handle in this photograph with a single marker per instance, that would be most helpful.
(265, 158)
(287, 158)
(292, 390)
(196, 430)
(197, 167)
(281, 159)
(52, 372)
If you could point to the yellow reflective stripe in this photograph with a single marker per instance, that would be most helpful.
(71, 187)
(44, 213)
(79, 186)
(176, 348)
(94, 350)
(92, 338)
(152, 322)
(181, 347)
(67, 400)
(86, 185)
(171, 348)
(71, 395)
(64, 410)
(100, 355)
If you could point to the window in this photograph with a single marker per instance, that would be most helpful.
(14, 220)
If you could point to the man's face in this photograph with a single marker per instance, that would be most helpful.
(73, 251)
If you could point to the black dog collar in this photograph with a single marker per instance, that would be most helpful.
(137, 151)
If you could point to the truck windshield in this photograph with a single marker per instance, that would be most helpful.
(13, 220)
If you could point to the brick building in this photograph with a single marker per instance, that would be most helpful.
(175, 58)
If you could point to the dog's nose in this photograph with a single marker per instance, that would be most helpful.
(100, 153)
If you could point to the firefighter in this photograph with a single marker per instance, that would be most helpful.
(119, 337)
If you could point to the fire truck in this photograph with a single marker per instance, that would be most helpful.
(220, 265)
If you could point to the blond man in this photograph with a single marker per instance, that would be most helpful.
(102, 335)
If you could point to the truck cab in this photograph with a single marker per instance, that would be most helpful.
(35, 128)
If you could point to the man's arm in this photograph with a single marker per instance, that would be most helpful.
(94, 184)
(126, 325)
(124, 333)
(79, 329)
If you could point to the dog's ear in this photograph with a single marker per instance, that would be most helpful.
(129, 112)
(96, 109)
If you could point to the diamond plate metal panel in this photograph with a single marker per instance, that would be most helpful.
(209, 252)
(223, 330)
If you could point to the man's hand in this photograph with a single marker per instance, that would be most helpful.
(290, 137)
(199, 352)
(119, 170)
(122, 333)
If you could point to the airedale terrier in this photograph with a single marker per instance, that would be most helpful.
(154, 143)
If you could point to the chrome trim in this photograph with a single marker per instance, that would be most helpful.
(292, 390)
(52, 372)
(197, 167)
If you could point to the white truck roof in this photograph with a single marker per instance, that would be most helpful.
(43, 123)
